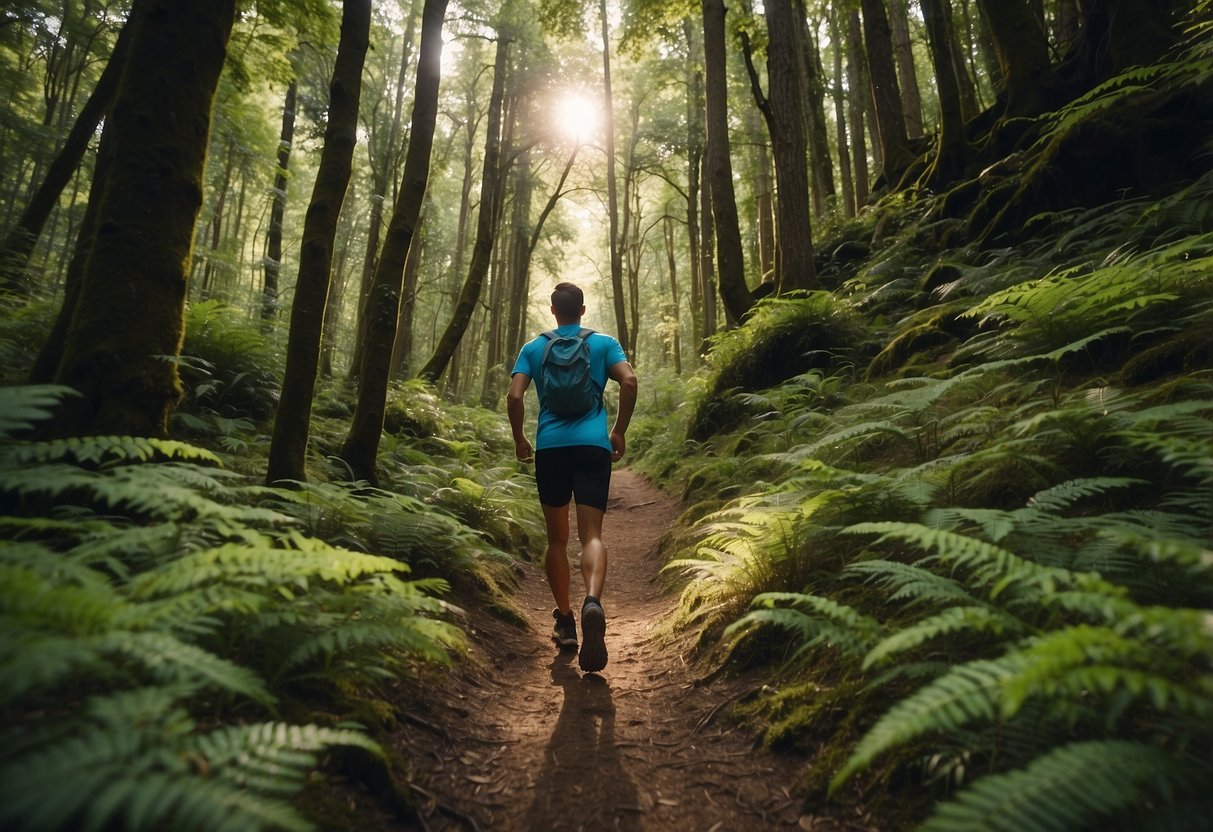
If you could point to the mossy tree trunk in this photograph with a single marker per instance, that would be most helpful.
(951, 146)
(128, 322)
(273, 242)
(857, 85)
(786, 118)
(19, 243)
(890, 121)
(1023, 56)
(486, 226)
(361, 446)
(907, 75)
(730, 260)
(288, 446)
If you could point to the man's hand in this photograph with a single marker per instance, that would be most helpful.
(524, 451)
(618, 445)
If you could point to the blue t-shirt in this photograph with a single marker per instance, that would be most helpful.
(590, 429)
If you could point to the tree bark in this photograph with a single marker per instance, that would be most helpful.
(486, 227)
(273, 240)
(675, 311)
(821, 179)
(786, 118)
(890, 121)
(840, 118)
(288, 445)
(951, 147)
(129, 316)
(1023, 56)
(20, 241)
(907, 76)
(361, 446)
(857, 106)
(729, 257)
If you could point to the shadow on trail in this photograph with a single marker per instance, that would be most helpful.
(582, 784)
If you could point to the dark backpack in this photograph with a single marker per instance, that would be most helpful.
(568, 385)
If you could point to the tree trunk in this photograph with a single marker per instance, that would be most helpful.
(694, 122)
(288, 446)
(758, 136)
(907, 76)
(675, 312)
(129, 316)
(361, 446)
(19, 242)
(486, 227)
(951, 147)
(273, 241)
(840, 118)
(616, 244)
(969, 106)
(786, 118)
(731, 262)
(857, 106)
(890, 122)
(1023, 56)
(821, 181)
(402, 345)
(707, 270)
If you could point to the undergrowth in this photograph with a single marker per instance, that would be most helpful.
(974, 566)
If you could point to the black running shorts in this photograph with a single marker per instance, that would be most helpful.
(580, 471)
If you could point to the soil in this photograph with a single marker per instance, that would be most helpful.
(518, 738)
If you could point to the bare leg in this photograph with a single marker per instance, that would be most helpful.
(556, 561)
(593, 550)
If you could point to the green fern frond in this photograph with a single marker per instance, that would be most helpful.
(1063, 495)
(1070, 787)
(971, 619)
(22, 407)
(105, 451)
(1081, 660)
(991, 565)
(820, 622)
(969, 693)
(912, 584)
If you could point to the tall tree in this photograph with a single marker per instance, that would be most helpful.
(129, 315)
(821, 179)
(384, 163)
(786, 117)
(288, 445)
(361, 446)
(890, 122)
(907, 75)
(273, 238)
(838, 93)
(19, 242)
(951, 147)
(719, 164)
(486, 226)
(857, 105)
(616, 242)
(1028, 78)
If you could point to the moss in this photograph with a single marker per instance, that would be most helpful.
(932, 329)
(1188, 350)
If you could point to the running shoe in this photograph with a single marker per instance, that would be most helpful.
(565, 631)
(593, 656)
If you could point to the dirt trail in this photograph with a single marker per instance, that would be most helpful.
(522, 740)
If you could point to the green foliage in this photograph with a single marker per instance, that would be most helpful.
(227, 364)
(995, 568)
(166, 614)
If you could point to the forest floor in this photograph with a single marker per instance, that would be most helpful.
(517, 738)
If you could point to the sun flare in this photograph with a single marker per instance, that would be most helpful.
(578, 117)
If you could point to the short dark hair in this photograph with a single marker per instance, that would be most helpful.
(567, 300)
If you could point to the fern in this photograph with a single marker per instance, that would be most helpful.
(1070, 787)
(969, 620)
(818, 621)
(967, 694)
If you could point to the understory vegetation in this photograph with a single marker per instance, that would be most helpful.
(184, 647)
(965, 549)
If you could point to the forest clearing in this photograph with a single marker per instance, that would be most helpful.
(903, 314)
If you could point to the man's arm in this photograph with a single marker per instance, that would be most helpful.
(621, 372)
(515, 408)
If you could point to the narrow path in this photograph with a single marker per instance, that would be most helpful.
(520, 739)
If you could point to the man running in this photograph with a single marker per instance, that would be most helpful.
(573, 455)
